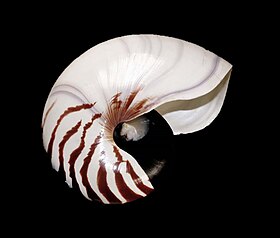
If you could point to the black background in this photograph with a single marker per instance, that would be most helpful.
(211, 183)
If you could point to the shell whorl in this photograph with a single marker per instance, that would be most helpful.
(115, 82)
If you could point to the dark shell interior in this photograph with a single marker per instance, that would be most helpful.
(154, 151)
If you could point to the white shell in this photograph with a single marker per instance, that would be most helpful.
(117, 81)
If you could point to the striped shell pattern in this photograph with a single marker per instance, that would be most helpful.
(117, 81)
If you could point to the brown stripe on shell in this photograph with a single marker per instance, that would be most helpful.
(62, 116)
(65, 138)
(137, 108)
(117, 153)
(130, 99)
(115, 101)
(138, 181)
(115, 105)
(103, 184)
(84, 170)
(124, 190)
(75, 154)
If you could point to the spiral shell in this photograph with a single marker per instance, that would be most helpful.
(118, 81)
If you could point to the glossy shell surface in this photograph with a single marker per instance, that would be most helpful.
(118, 81)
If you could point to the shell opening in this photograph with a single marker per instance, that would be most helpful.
(186, 116)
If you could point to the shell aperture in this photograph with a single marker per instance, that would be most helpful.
(111, 88)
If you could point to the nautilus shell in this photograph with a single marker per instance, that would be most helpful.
(116, 82)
